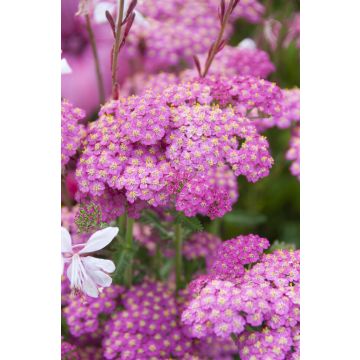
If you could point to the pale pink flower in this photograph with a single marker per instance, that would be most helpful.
(88, 274)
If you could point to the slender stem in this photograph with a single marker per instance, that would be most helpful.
(157, 262)
(121, 222)
(115, 54)
(178, 256)
(129, 247)
(218, 39)
(99, 77)
(215, 227)
(65, 198)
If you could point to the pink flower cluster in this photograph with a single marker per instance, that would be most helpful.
(233, 254)
(179, 29)
(290, 112)
(268, 344)
(293, 153)
(140, 323)
(147, 327)
(83, 315)
(71, 130)
(265, 296)
(178, 146)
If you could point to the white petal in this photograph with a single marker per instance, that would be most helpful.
(65, 67)
(90, 287)
(93, 263)
(99, 240)
(101, 279)
(80, 278)
(247, 44)
(66, 246)
(141, 20)
(100, 9)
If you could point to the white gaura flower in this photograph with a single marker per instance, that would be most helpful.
(87, 273)
(100, 8)
(65, 67)
(247, 43)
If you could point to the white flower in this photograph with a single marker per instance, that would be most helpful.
(86, 273)
(100, 10)
(101, 7)
(247, 43)
(65, 67)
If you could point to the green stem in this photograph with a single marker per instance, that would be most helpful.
(178, 256)
(218, 40)
(116, 48)
(157, 262)
(99, 77)
(129, 247)
(215, 227)
(121, 222)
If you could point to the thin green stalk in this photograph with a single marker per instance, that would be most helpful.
(129, 247)
(215, 227)
(121, 222)
(219, 39)
(115, 54)
(178, 256)
(99, 77)
(157, 262)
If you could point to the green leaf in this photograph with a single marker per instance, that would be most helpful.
(150, 218)
(192, 224)
(123, 258)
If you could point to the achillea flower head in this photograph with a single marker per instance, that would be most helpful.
(247, 93)
(71, 130)
(214, 311)
(233, 254)
(289, 115)
(147, 327)
(293, 154)
(268, 344)
(179, 29)
(161, 149)
(232, 297)
(83, 316)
